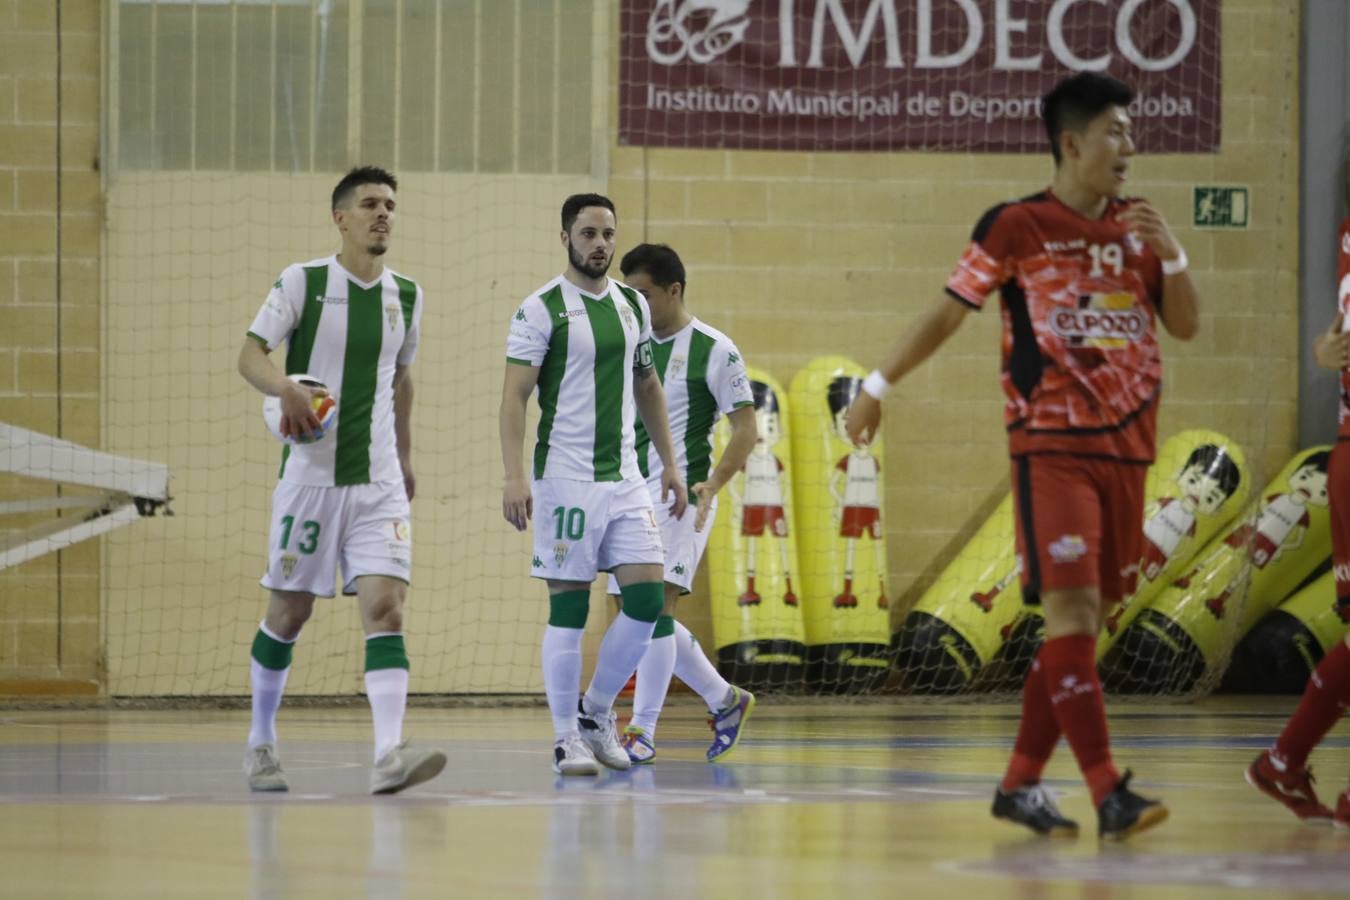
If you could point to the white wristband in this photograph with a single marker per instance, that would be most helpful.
(875, 384)
(1176, 266)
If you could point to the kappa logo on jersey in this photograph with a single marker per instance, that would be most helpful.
(520, 314)
(1069, 548)
(679, 569)
(733, 358)
(1108, 321)
(276, 285)
(537, 563)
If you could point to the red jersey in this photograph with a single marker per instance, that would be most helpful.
(1343, 303)
(1081, 368)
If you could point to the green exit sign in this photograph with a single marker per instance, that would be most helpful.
(1219, 206)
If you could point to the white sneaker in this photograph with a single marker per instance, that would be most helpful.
(571, 756)
(264, 769)
(599, 733)
(404, 767)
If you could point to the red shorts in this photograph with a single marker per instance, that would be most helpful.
(859, 519)
(755, 518)
(1338, 491)
(1080, 523)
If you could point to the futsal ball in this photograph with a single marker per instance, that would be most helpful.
(325, 407)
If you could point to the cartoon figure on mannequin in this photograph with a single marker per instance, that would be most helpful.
(762, 501)
(853, 485)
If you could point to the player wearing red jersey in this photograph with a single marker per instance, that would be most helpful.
(1282, 771)
(1082, 273)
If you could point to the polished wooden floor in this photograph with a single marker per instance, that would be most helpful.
(821, 800)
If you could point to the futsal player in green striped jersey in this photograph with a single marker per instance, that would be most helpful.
(583, 342)
(341, 503)
(704, 377)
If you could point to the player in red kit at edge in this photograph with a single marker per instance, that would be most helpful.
(1082, 275)
(1282, 771)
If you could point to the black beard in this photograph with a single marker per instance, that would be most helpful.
(582, 266)
(377, 249)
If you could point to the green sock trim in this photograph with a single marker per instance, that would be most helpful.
(644, 601)
(665, 627)
(568, 609)
(271, 653)
(386, 652)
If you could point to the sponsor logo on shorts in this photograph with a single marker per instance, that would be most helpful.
(288, 562)
(401, 530)
(559, 554)
(1069, 548)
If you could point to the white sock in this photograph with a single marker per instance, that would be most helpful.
(562, 677)
(620, 652)
(696, 670)
(387, 690)
(653, 681)
(268, 686)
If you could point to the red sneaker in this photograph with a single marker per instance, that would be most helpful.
(1292, 788)
(1342, 818)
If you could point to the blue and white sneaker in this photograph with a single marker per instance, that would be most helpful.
(639, 747)
(727, 724)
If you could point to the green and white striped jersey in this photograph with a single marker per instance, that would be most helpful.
(704, 377)
(350, 336)
(586, 348)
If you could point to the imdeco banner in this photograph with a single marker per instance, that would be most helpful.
(955, 75)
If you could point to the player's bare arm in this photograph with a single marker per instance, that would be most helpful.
(1181, 304)
(518, 384)
(744, 433)
(297, 411)
(403, 399)
(650, 399)
(1331, 348)
(918, 342)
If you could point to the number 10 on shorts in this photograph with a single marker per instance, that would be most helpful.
(570, 523)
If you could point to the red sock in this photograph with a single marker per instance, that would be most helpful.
(1324, 700)
(1076, 697)
(1036, 735)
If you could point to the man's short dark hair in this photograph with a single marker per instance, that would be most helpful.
(661, 264)
(842, 391)
(574, 204)
(359, 176)
(1079, 99)
(1216, 462)
(764, 396)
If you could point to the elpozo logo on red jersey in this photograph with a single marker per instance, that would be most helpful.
(1105, 321)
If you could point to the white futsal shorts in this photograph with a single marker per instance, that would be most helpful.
(684, 546)
(363, 529)
(585, 527)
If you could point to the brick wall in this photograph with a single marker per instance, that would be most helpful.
(50, 221)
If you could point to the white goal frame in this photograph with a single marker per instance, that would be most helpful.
(130, 489)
